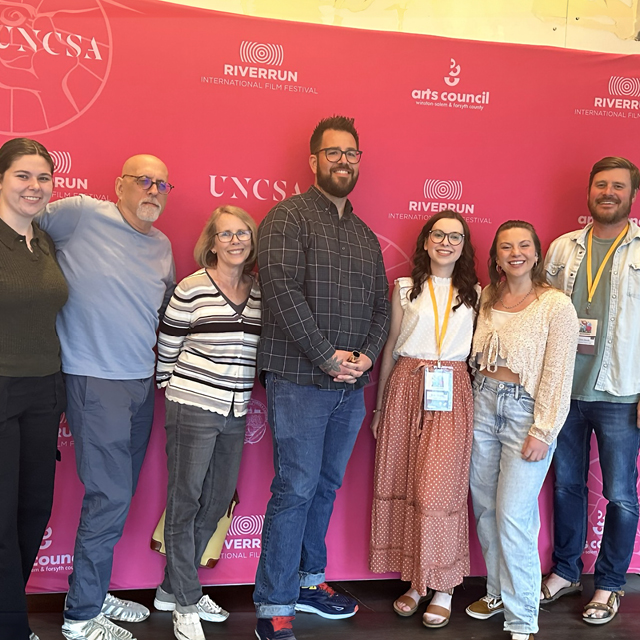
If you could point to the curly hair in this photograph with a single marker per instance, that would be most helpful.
(464, 276)
(538, 278)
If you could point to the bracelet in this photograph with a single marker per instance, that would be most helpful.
(376, 410)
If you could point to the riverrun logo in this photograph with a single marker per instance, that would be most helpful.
(244, 537)
(463, 97)
(261, 66)
(623, 100)
(438, 195)
(66, 185)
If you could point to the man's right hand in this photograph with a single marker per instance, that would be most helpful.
(336, 368)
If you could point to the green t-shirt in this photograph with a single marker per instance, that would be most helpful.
(587, 366)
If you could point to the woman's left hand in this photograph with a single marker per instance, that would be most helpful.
(534, 450)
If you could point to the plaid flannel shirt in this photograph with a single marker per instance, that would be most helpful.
(324, 287)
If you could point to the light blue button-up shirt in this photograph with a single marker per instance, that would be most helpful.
(620, 371)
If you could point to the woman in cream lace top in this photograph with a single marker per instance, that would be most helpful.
(523, 354)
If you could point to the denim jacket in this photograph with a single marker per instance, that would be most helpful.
(620, 371)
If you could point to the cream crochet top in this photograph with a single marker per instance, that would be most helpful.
(539, 344)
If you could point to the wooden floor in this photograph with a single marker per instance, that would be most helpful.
(374, 621)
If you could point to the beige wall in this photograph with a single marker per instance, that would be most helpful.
(595, 25)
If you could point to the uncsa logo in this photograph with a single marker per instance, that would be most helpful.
(256, 422)
(236, 188)
(55, 58)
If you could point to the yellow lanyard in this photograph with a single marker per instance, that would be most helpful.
(592, 284)
(440, 334)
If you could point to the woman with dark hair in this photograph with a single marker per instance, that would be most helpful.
(32, 291)
(423, 423)
(207, 363)
(523, 354)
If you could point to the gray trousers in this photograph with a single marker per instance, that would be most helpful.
(110, 421)
(204, 450)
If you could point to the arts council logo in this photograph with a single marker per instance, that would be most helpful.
(55, 59)
(623, 100)
(443, 96)
(438, 195)
(261, 67)
(47, 562)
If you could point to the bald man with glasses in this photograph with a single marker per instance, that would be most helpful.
(120, 273)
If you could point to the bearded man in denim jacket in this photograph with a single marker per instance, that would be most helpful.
(599, 267)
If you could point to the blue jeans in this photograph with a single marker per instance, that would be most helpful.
(314, 431)
(204, 450)
(111, 423)
(618, 444)
(504, 490)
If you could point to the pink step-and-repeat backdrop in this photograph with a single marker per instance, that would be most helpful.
(228, 102)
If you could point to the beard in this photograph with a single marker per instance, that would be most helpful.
(336, 186)
(149, 210)
(621, 213)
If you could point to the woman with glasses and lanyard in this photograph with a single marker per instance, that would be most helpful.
(32, 397)
(423, 423)
(206, 361)
(523, 354)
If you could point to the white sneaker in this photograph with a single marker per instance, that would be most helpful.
(98, 628)
(207, 609)
(187, 626)
(210, 611)
(123, 610)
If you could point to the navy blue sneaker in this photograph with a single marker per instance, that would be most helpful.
(324, 601)
(278, 628)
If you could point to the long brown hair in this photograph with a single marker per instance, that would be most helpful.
(464, 276)
(496, 277)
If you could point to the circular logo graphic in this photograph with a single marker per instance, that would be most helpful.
(55, 58)
(256, 422)
(246, 526)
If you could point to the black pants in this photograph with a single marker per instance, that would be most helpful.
(30, 411)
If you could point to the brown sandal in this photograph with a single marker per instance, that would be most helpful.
(574, 587)
(411, 603)
(437, 610)
(609, 607)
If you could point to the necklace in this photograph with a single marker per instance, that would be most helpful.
(513, 306)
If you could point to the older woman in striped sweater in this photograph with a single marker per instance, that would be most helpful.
(206, 360)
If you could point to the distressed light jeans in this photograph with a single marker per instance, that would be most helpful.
(504, 490)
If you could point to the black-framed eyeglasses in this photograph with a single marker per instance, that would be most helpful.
(334, 154)
(146, 183)
(454, 237)
(227, 236)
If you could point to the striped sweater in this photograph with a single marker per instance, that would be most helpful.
(206, 349)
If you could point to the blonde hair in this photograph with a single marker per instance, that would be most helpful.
(202, 252)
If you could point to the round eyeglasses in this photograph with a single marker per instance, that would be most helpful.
(227, 236)
(146, 183)
(454, 237)
(334, 154)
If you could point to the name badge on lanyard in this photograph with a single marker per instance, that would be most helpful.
(438, 380)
